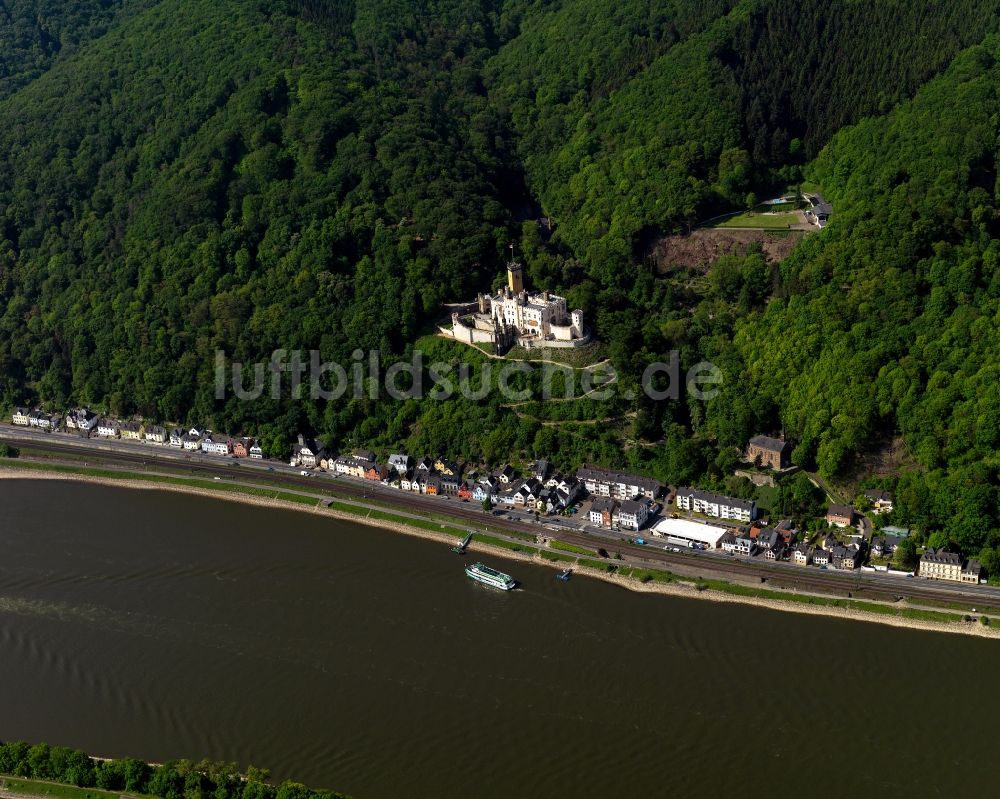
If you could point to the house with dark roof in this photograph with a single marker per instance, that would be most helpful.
(941, 565)
(630, 515)
(541, 469)
(306, 452)
(840, 515)
(881, 501)
(772, 453)
(971, 572)
(884, 546)
(601, 512)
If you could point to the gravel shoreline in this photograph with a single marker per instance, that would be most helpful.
(683, 590)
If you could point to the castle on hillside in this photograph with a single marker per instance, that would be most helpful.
(516, 316)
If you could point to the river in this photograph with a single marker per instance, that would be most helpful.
(161, 625)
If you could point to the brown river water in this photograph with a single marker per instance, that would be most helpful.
(160, 625)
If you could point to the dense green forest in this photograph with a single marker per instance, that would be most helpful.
(182, 176)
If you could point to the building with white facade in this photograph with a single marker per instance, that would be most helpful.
(686, 531)
(608, 483)
(81, 419)
(631, 515)
(716, 505)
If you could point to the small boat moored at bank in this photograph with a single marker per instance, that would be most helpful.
(564, 574)
(460, 548)
(491, 577)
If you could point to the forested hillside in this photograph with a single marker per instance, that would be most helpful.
(182, 176)
(33, 33)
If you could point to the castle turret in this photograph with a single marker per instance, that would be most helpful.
(515, 277)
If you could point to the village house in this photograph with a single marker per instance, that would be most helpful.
(787, 531)
(107, 428)
(631, 515)
(425, 465)
(81, 419)
(802, 555)
(241, 448)
(830, 542)
(884, 546)
(43, 420)
(727, 543)
(432, 485)
(819, 210)
(941, 566)
(821, 557)
(716, 505)
(133, 431)
(776, 552)
(306, 453)
(400, 463)
(255, 451)
(771, 453)
(341, 464)
(840, 515)
(22, 417)
(450, 484)
(356, 467)
(846, 558)
(852, 559)
(769, 540)
(619, 485)
(556, 501)
(465, 490)
(881, 501)
(744, 545)
(177, 437)
(216, 445)
(972, 572)
(541, 470)
(484, 490)
(447, 467)
(189, 441)
(505, 474)
(155, 434)
(406, 481)
(601, 512)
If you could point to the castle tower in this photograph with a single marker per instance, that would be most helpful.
(515, 277)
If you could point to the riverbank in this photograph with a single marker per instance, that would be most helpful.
(636, 578)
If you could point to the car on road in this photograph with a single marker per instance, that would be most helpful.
(270, 468)
(304, 473)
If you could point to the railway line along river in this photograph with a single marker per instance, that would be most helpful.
(160, 625)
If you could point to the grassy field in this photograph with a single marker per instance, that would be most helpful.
(563, 547)
(756, 220)
(55, 790)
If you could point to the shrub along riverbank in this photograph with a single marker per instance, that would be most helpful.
(43, 770)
